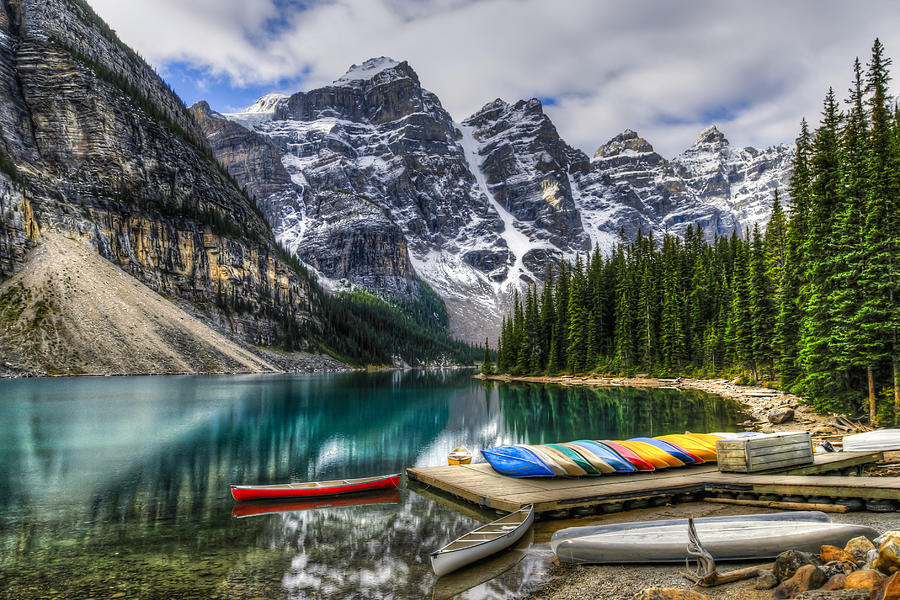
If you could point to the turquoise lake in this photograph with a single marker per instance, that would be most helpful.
(118, 487)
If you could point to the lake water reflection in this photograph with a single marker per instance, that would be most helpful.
(120, 485)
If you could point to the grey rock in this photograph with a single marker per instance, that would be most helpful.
(787, 563)
(783, 414)
(837, 568)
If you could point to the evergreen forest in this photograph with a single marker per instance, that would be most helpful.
(811, 304)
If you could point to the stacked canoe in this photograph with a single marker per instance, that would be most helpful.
(598, 457)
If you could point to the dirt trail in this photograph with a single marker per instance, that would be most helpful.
(69, 311)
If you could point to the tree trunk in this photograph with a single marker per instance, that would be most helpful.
(896, 389)
(896, 376)
(871, 396)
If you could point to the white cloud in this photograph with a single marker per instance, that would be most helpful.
(665, 68)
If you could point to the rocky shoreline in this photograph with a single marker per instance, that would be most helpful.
(769, 410)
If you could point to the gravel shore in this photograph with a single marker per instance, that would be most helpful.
(621, 582)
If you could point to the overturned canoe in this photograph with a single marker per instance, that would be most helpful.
(615, 462)
(640, 463)
(516, 461)
(670, 448)
(735, 538)
(577, 532)
(696, 445)
(242, 493)
(561, 458)
(658, 457)
(482, 542)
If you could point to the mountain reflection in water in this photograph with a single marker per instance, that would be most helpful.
(121, 484)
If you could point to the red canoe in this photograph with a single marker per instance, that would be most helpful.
(242, 493)
(261, 507)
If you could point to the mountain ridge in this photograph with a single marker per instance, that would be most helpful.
(486, 204)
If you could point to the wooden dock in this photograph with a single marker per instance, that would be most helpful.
(481, 485)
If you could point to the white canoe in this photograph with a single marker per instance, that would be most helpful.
(482, 542)
(725, 540)
(873, 441)
(577, 532)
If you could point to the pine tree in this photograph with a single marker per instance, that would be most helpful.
(739, 332)
(672, 332)
(547, 319)
(776, 240)
(878, 316)
(790, 302)
(848, 260)
(561, 334)
(594, 299)
(578, 322)
(647, 302)
(762, 306)
(820, 377)
(487, 367)
(624, 332)
(532, 332)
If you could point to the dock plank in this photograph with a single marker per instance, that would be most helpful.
(481, 485)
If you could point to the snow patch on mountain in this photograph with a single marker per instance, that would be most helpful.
(367, 70)
(517, 242)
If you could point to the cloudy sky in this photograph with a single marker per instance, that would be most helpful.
(665, 68)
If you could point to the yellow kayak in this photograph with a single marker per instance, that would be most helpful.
(706, 437)
(693, 445)
(658, 458)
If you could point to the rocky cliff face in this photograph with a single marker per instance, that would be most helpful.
(484, 205)
(95, 146)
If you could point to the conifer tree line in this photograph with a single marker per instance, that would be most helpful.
(812, 304)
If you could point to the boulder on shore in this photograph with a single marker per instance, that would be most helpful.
(864, 579)
(859, 547)
(807, 577)
(782, 414)
(787, 563)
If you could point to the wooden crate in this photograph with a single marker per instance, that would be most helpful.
(761, 453)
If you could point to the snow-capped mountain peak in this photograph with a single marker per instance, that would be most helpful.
(266, 104)
(627, 142)
(710, 137)
(371, 69)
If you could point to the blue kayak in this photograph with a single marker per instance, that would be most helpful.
(516, 461)
(679, 453)
(610, 457)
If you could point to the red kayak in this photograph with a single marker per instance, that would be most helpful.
(628, 454)
(261, 507)
(242, 493)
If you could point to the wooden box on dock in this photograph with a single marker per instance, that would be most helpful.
(764, 452)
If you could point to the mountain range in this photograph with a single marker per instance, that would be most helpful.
(137, 235)
(371, 183)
